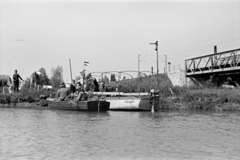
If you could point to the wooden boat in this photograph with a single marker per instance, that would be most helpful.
(93, 105)
(127, 101)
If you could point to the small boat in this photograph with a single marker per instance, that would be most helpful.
(92, 105)
(130, 101)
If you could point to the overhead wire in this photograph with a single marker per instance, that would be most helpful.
(197, 52)
(181, 48)
(201, 42)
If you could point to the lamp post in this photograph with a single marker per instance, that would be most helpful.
(156, 43)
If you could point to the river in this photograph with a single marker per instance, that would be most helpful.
(55, 134)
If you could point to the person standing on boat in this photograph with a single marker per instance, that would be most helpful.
(73, 87)
(62, 92)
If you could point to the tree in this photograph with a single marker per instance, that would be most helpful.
(25, 85)
(46, 80)
(124, 77)
(57, 76)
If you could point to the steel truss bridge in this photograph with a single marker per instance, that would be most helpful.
(119, 73)
(223, 64)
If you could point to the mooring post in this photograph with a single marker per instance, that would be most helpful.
(152, 97)
(152, 106)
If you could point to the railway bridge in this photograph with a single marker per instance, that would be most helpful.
(217, 68)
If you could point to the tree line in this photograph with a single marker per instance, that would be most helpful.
(55, 79)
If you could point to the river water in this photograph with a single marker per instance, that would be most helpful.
(55, 134)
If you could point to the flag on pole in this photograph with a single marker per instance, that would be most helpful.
(86, 63)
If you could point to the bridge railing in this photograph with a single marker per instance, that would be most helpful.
(219, 62)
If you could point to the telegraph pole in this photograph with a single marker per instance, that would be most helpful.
(157, 53)
(70, 69)
(165, 64)
(139, 64)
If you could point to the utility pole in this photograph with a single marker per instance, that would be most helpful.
(139, 64)
(70, 68)
(157, 54)
(165, 64)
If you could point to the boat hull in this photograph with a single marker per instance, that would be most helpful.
(98, 105)
(131, 103)
(79, 106)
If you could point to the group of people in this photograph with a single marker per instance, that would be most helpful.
(74, 93)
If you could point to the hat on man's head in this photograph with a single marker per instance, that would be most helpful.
(78, 85)
(62, 84)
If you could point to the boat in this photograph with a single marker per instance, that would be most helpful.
(130, 101)
(91, 105)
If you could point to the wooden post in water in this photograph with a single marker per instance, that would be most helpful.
(152, 98)
(152, 110)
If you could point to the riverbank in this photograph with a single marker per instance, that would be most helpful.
(26, 105)
(178, 98)
(203, 99)
(34, 99)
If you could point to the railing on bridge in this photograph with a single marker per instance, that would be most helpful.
(219, 62)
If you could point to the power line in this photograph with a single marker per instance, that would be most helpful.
(195, 51)
(217, 43)
(203, 41)
(143, 58)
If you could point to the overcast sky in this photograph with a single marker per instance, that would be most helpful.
(110, 34)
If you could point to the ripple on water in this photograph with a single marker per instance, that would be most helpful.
(53, 134)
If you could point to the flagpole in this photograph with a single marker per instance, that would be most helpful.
(83, 77)
(70, 68)
(84, 64)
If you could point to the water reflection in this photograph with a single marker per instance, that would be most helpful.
(55, 134)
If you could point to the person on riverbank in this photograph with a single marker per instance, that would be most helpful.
(16, 78)
(62, 92)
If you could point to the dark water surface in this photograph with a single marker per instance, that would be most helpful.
(54, 134)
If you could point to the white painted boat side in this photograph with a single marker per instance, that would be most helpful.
(121, 93)
(129, 103)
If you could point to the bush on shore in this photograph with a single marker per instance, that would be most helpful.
(24, 96)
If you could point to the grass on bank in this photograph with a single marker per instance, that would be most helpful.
(23, 96)
(171, 97)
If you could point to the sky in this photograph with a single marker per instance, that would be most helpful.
(112, 35)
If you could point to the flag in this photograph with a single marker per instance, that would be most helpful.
(86, 63)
